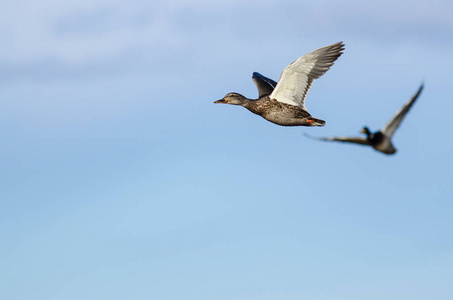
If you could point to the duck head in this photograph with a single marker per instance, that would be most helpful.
(234, 99)
(366, 131)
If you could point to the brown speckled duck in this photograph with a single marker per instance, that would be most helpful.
(283, 103)
(380, 140)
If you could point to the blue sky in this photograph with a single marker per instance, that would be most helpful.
(120, 179)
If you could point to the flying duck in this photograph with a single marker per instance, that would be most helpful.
(380, 140)
(283, 103)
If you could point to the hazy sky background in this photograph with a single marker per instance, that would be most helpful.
(120, 179)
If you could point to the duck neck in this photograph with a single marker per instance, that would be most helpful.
(246, 102)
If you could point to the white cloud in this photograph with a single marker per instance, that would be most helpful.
(78, 31)
(52, 30)
(106, 35)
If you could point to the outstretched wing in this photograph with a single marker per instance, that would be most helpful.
(296, 80)
(395, 121)
(264, 85)
(354, 140)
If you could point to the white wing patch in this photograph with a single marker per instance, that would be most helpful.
(297, 79)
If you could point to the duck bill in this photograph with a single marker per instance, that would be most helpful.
(220, 101)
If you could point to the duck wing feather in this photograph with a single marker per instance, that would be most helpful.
(264, 85)
(346, 139)
(391, 126)
(296, 79)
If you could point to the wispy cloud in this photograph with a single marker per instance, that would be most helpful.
(54, 37)
(82, 32)
(75, 32)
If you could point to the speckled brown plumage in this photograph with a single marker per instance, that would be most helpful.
(276, 112)
(281, 113)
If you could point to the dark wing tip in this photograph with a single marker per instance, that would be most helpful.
(420, 89)
(422, 86)
(257, 75)
(339, 46)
